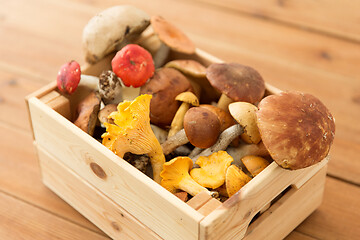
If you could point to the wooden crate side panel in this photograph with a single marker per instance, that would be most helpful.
(289, 211)
(147, 201)
(232, 218)
(91, 203)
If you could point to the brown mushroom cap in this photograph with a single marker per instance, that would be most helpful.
(226, 120)
(164, 86)
(172, 36)
(238, 82)
(296, 128)
(202, 127)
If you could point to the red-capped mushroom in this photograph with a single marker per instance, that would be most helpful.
(68, 77)
(133, 65)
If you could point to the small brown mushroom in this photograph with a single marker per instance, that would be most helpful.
(296, 128)
(164, 86)
(188, 99)
(105, 112)
(236, 82)
(87, 112)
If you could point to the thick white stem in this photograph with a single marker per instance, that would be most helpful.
(174, 141)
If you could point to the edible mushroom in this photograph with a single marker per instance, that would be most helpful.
(107, 31)
(254, 164)
(211, 173)
(188, 99)
(110, 88)
(165, 85)
(235, 180)
(132, 133)
(236, 82)
(175, 175)
(296, 128)
(104, 113)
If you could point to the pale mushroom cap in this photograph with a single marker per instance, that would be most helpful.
(105, 31)
(235, 180)
(172, 36)
(188, 97)
(296, 128)
(189, 67)
(245, 114)
(236, 81)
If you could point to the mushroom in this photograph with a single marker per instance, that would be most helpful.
(68, 77)
(188, 99)
(133, 65)
(201, 129)
(175, 175)
(104, 113)
(296, 128)
(110, 88)
(196, 73)
(211, 173)
(247, 149)
(245, 114)
(132, 133)
(254, 164)
(165, 85)
(107, 31)
(87, 112)
(235, 180)
(236, 82)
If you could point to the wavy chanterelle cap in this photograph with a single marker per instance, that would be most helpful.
(132, 133)
(296, 128)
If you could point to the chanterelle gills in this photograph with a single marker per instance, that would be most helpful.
(132, 133)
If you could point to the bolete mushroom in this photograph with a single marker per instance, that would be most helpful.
(87, 112)
(236, 82)
(235, 180)
(132, 133)
(211, 173)
(188, 99)
(110, 88)
(296, 128)
(175, 176)
(165, 85)
(254, 164)
(106, 32)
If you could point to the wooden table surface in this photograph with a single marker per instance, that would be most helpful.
(311, 46)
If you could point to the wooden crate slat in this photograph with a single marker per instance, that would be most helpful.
(91, 203)
(124, 184)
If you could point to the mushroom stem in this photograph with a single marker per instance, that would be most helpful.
(196, 151)
(225, 138)
(178, 121)
(247, 149)
(190, 186)
(224, 102)
(174, 141)
(157, 166)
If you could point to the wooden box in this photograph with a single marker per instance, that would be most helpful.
(126, 204)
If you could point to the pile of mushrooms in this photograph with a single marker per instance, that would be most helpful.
(201, 128)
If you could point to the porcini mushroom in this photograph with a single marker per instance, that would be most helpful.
(107, 31)
(175, 175)
(132, 133)
(245, 114)
(247, 149)
(235, 180)
(87, 112)
(211, 173)
(296, 128)
(254, 164)
(133, 65)
(188, 99)
(236, 82)
(110, 88)
(165, 85)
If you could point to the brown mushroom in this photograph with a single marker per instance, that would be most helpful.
(165, 85)
(236, 82)
(87, 111)
(105, 112)
(296, 128)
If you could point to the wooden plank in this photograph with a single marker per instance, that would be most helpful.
(299, 236)
(232, 218)
(199, 200)
(21, 177)
(289, 211)
(210, 206)
(338, 216)
(95, 206)
(339, 18)
(142, 198)
(19, 220)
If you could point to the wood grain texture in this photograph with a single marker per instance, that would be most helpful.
(19, 220)
(333, 17)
